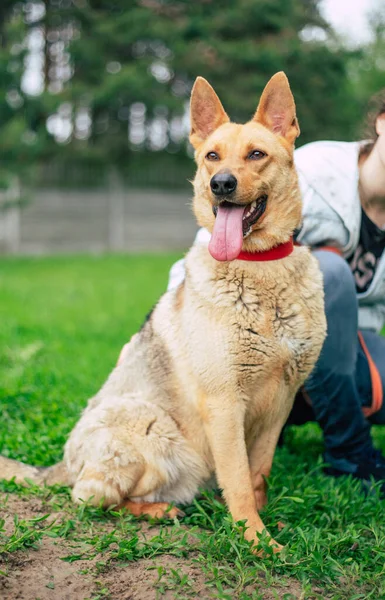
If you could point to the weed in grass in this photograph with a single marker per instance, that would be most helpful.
(174, 580)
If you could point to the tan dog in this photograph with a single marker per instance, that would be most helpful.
(207, 384)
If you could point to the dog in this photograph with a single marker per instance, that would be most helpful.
(206, 386)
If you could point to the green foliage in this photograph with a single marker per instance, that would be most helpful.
(366, 68)
(39, 345)
(101, 58)
(244, 42)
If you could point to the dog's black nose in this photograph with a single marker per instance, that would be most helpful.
(223, 184)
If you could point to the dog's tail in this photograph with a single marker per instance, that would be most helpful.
(10, 469)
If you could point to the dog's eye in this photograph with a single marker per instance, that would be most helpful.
(212, 156)
(256, 155)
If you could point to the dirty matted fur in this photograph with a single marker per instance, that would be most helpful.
(207, 384)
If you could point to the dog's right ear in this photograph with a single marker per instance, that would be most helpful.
(276, 108)
(206, 112)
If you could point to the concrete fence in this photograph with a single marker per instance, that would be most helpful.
(116, 220)
(10, 218)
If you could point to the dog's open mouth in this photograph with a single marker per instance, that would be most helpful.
(233, 223)
(252, 212)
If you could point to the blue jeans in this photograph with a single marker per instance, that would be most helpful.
(340, 383)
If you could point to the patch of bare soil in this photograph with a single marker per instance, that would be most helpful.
(141, 581)
(41, 574)
(25, 508)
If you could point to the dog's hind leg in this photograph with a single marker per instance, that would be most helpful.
(131, 450)
(105, 486)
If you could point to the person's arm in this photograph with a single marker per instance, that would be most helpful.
(177, 272)
(176, 275)
(321, 225)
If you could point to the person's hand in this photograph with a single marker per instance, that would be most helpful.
(124, 351)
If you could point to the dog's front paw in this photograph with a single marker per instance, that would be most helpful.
(93, 488)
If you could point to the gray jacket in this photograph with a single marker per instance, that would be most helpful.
(328, 176)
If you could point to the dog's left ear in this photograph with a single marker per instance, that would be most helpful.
(276, 108)
(206, 112)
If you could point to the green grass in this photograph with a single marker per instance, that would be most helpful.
(63, 322)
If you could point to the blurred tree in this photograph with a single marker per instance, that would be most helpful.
(244, 43)
(151, 52)
(13, 123)
(24, 137)
(367, 68)
(108, 81)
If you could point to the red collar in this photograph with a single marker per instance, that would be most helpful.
(276, 253)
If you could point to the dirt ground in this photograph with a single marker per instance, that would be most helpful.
(42, 574)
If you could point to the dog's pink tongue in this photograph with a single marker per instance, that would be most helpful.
(227, 237)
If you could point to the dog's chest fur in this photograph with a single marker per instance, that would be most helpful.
(257, 318)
